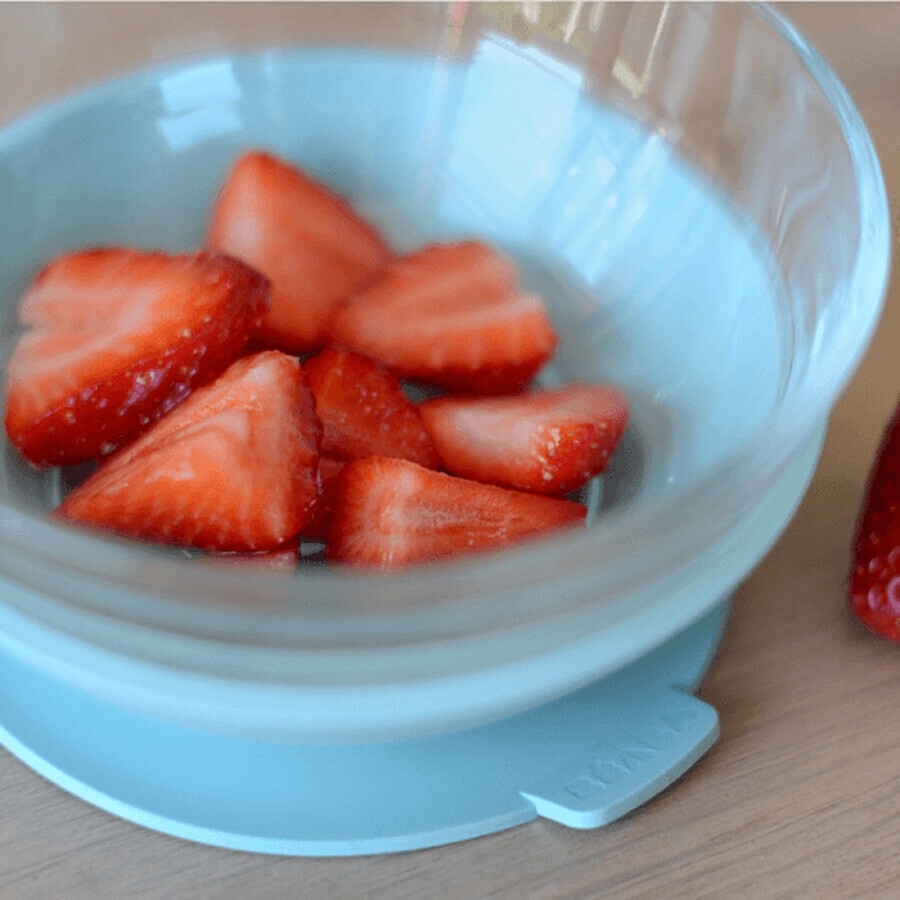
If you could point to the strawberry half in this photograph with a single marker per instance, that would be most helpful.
(364, 411)
(547, 441)
(391, 512)
(233, 468)
(450, 315)
(116, 339)
(304, 238)
(874, 581)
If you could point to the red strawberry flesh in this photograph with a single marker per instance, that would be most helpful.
(390, 513)
(316, 529)
(117, 338)
(451, 316)
(547, 441)
(874, 580)
(364, 411)
(234, 468)
(306, 239)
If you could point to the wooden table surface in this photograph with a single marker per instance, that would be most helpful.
(800, 797)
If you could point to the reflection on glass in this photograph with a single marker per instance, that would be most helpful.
(511, 128)
(633, 67)
(190, 129)
(200, 101)
(206, 84)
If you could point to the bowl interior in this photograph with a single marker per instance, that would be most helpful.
(654, 283)
(661, 276)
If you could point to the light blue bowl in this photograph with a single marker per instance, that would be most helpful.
(692, 192)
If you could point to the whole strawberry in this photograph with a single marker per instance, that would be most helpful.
(874, 582)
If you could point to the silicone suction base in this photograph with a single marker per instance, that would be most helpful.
(582, 760)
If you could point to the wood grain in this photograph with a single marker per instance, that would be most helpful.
(799, 798)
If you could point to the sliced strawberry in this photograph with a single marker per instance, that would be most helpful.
(391, 512)
(316, 529)
(874, 581)
(547, 441)
(117, 338)
(450, 315)
(304, 238)
(233, 468)
(364, 411)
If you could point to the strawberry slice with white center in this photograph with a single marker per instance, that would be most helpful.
(391, 512)
(364, 411)
(450, 315)
(306, 239)
(548, 441)
(232, 468)
(117, 338)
